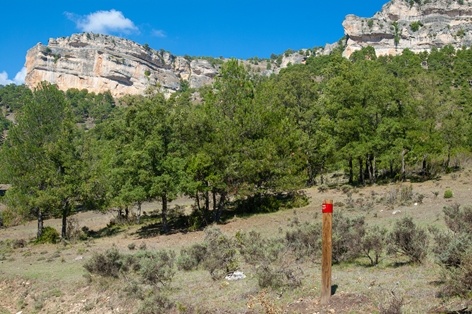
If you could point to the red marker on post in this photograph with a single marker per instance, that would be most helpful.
(327, 210)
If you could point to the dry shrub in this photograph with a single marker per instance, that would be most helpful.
(272, 259)
(106, 264)
(305, 240)
(453, 250)
(391, 302)
(192, 257)
(221, 253)
(262, 303)
(156, 304)
(408, 240)
(157, 268)
(373, 243)
(347, 234)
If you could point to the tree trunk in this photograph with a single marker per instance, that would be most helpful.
(403, 174)
(424, 171)
(448, 158)
(126, 212)
(321, 172)
(368, 166)
(374, 169)
(351, 173)
(138, 215)
(65, 213)
(40, 224)
(361, 172)
(64, 225)
(221, 205)
(165, 227)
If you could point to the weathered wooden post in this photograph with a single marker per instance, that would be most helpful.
(327, 251)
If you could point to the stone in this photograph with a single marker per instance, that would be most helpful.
(390, 31)
(102, 62)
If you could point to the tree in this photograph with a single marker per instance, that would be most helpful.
(145, 160)
(41, 157)
(241, 146)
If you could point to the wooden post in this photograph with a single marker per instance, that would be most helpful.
(327, 251)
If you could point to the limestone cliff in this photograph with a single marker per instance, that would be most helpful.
(413, 24)
(102, 62)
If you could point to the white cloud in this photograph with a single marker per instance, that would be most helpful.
(18, 80)
(103, 22)
(159, 33)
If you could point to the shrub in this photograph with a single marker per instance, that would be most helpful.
(347, 234)
(373, 243)
(448, 194)
(132, 246)
(305, 240)
(271, 258)
(156, 304)
(458, 219)
(190, 258)
(106, 264)
(158, 267)
(49, 235)
(408, 240)
(18, 243)
(453, 250)
(221, 253)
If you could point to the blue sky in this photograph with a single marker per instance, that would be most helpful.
(240, 29)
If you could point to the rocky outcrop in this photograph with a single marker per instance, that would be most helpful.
(416, 25)
(102, 62)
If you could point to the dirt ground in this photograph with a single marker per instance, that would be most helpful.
(49, 278)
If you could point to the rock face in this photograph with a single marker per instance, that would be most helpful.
(408, 24)
(102, 62)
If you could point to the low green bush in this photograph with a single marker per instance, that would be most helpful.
(448, 194)
(49, 235)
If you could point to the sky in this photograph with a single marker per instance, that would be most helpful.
(240, 29)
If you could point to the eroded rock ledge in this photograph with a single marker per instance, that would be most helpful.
(416, 25)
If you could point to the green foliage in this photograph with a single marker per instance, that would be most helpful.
(415, 26)
(49, 235)
(448, 194)
(408, 240)
(370, 23)
(147, 73)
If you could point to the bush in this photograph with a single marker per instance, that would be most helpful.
(190, 258)
(106, 264)
(271, 258)
(448, 194)
(156, 304)
(347, 234)
(373, 243)
(157, 268)
(49, 235)
(221, 253)
(305, 240)
(408, 240)
(453, 250)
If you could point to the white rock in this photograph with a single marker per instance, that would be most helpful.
(396, 212)
(236, 276)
